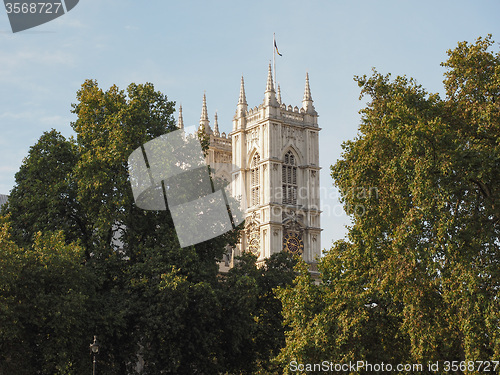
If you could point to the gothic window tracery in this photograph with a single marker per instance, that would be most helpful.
(289, 178)
(254, 180)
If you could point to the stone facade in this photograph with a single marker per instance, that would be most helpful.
(272, 157)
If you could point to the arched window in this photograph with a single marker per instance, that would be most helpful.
(254, 180)
(289, 175)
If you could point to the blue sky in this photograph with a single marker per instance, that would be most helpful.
(187, 47)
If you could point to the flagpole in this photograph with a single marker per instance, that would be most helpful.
(274, 57)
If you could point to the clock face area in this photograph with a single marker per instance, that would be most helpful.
(292, 242)
(254, 244)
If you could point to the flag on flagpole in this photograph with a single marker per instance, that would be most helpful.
(275, 46)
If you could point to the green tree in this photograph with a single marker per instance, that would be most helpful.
(418, 278)
(150, 301)
(170, 326)
(251, 313)
(44, 197)
(110, 125)
(44, 306)
(277, 272)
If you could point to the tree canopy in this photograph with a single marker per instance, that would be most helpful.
(418, 278)
(79, 258)
(45, 292)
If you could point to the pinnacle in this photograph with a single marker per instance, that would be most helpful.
(216, 126)
(307, 102)
(270, 86)
(270, 94)
(243, 99)
(204, 122)
(180, 122)
(204, 113)
(307, 90)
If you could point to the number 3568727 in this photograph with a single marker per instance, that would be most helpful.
(32, 8)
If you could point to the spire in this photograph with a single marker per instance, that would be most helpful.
(180, 122)
(204, 112)
(307, 102)
(270, 86)
(270, 94)
(216, 126)
(243, 99)
(278, 94)
(307, 90)
(204, 122)
(241, 109)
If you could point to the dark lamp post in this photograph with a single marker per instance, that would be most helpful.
(94, 349)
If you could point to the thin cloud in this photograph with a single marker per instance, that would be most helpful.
(16, 116)
(29, 57)
(8, 169)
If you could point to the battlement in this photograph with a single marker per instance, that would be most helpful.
(289, 114)
(221, 142)
(273, 108)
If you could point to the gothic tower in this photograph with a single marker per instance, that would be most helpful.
(275, 157)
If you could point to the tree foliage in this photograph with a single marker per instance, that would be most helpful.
(418, 278)
(254, 330)
(45, 294)
(78, 248)
(44, 197)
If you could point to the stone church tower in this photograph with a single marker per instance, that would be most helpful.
(274, 150)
